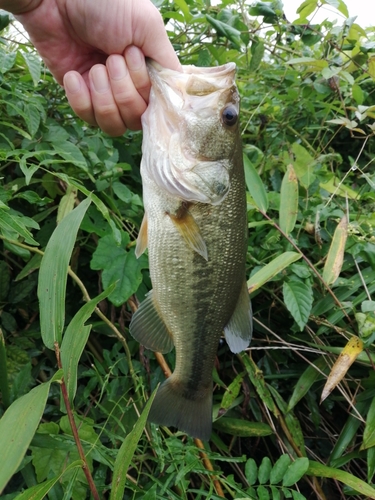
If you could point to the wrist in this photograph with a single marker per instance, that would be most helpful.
(19, 6)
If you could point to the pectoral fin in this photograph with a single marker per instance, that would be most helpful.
(148, 327)
(189, 230)
(238, 331)
(142, 238)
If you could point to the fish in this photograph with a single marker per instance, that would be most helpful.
(195, 230)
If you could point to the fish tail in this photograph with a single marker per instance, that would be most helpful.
(177, 406)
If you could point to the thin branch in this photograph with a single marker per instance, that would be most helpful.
(73, 426)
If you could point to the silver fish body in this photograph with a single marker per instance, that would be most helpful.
(195, 228)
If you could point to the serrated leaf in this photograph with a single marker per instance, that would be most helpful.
(34, 64)
(126, 452)
(32, 118)
(53, 275)
(264, 471)
(298, 298)
(120, 266)
(251, 471)
(295, 471)
(279, 469)
(255, 185)
(7, 60)
(335, 257)
(346, 358)
(271, 269)
(288, 201)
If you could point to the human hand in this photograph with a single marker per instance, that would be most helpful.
(97, 50)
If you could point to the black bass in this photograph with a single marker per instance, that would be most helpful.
(195, 228)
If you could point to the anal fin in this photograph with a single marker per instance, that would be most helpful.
(148, 327)
(189, 230)
(238, 331)
(142, 238)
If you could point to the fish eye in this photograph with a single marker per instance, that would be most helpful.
(229, 115)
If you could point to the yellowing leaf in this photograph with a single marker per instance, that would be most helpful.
(347, 357)
(333, 186)
(335, 257)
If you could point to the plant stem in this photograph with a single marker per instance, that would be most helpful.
(73, 426)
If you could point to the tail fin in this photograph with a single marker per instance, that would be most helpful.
(190, 412)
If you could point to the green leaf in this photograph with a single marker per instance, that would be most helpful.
(251, 471)
(307, 379)
(257, 53)
(74, 341)
(279, 469)
(263, 493)
(298, 298)
(303, 165)
(14, 223)
(319, 470)
(242, 428)
(185, 9)
(264, 471)
(126, 452)
(225, 30)
(53, 275)
(335, 257)
(17, 428)
(271, 269)
(295, 471)
(232, 392)
(34, 64)
(7, 61)
(369, 432)
(288, 201)
(119, 266)
(297, 495)
(255, 185)
(39, 491)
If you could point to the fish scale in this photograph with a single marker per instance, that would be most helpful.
(197, 250)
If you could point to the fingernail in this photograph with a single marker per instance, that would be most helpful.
(72, 82)
(116, 67)
(99, 78)
(134, 58)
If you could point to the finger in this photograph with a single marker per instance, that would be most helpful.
(79, 97)
(131, 104)
(135, 61)
(106, 111)
(150, 36)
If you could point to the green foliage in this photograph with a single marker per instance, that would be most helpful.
(70, 211)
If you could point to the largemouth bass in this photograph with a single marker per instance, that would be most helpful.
(195, 228)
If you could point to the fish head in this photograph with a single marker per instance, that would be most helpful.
(191, 131)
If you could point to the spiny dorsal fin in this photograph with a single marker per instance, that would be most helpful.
(142, 238)
(148, 327)
(189, 230)
(238, 331)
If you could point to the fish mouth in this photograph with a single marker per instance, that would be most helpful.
(178, 88)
